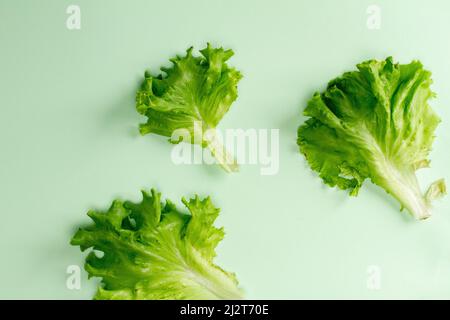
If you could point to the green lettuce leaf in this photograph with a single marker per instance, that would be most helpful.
(374, 123)
(194, 94)
(150, 250)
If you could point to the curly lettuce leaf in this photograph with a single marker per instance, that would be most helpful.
(194, 95)
(374, 123)
(150, 250)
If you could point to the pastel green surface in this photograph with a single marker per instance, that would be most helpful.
(69, 141)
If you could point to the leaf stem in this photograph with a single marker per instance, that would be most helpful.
(224, 158)
(403, 186)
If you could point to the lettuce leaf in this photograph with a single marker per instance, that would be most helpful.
(374, 123)
(194, 94)
(150, 250)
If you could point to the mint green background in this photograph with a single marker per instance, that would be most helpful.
(69, 141)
